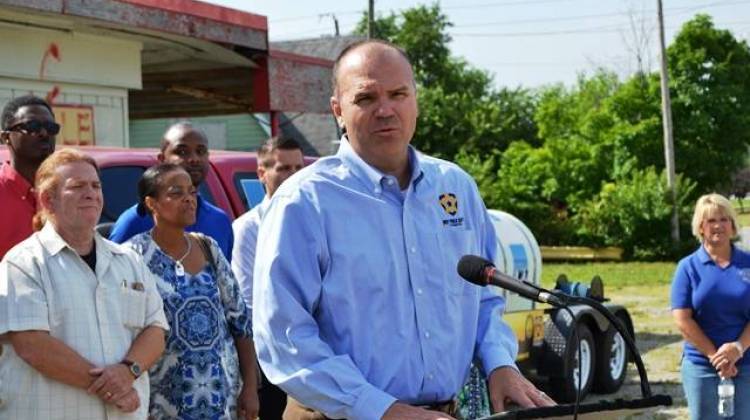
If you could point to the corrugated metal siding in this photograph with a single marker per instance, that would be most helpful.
(241, 132)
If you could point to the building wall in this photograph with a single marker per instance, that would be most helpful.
(109, 106)
(85, 78)
(225, 132)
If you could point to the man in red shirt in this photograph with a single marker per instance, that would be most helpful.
(28, 130)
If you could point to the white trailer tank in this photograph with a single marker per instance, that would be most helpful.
(518, 255)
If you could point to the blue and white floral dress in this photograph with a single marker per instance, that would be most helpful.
(198, 376)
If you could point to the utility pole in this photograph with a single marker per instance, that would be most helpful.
(666, 111)
(370, 18)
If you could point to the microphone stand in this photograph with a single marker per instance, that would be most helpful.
(648, 400)
(645, 386)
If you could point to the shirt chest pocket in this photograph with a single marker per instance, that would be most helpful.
(133, 307)
(454, 243)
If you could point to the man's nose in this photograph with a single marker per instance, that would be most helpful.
(385, 109)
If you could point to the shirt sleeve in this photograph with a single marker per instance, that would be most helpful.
(682, 287)
(127, 225)
(243, 256)
(288, 281)
(236, 312)
(23, 301)
(496, 344)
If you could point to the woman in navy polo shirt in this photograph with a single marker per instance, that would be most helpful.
(711, 306)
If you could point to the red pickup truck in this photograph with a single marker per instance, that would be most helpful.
(231, 183)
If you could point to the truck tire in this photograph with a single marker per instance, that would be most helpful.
(564, 388)
(611, 362)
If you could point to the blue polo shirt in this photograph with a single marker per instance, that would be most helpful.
(719, 298)
(209, 220)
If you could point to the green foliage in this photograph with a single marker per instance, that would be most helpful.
(581, 165)
(459, 108)
(710, 78)
(635, 213)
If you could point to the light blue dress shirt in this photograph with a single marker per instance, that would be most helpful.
(357, 301)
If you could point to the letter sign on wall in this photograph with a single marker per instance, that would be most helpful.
(77, 124)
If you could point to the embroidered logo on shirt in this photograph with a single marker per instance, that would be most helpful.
(745, 274)
(449, 202)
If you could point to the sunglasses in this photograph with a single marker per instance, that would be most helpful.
(36, 126)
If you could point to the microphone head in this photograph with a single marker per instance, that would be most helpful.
(474, 269)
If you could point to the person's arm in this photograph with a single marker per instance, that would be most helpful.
(729, 353)
(247, 404)
(52, 358)
(692, 332)
(243, 256)
(290, 261)
(146, 348)
(113, 382)
(239, 321)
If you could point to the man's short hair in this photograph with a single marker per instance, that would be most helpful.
(10, 109)
(265, 151)
(181, 125)
(355, 45)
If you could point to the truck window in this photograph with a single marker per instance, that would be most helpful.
(250, 189)
(120, 189)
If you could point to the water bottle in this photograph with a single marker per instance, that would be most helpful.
(726, 397)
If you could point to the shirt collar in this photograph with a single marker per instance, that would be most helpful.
(369, 174)
(704, 258)
(54, 243)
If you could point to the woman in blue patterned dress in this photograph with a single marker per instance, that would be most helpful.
(208, 368)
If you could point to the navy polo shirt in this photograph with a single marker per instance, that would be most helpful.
(719, 298)
(209, 220)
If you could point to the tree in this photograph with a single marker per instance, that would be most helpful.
(459, 108)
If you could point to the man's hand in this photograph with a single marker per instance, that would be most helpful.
(247, 403)
(506, 383)
(113, 382)
(727, 354)
(399, 411)
(129, 403)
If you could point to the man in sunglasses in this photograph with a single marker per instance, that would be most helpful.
(28, 131)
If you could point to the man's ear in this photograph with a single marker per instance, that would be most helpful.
(336, 109)
(46, 201)
(262, 174)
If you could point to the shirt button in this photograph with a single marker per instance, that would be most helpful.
(419, 291)
(377, 190)
(427, 334)
(390, 182)
(429, 376)
(413, 250)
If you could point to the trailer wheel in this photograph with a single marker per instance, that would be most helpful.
(611, 362)
(565, 387)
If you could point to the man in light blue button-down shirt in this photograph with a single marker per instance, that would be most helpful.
(358, 311)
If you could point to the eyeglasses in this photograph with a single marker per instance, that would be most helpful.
(36, 126)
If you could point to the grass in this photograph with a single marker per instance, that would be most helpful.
(616, 275)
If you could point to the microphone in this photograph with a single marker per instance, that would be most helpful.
(482, 272)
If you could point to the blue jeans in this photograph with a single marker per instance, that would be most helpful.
(701, 390)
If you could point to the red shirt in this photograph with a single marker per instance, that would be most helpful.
(17, 208)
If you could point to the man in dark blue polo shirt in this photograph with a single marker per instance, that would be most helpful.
(187, 146)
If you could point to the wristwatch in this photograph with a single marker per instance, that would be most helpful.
(133, 366)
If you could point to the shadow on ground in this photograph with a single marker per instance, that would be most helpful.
(647, 341)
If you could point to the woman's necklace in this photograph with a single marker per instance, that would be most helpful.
(179, 269)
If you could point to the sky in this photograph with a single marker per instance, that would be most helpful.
(526, 43)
